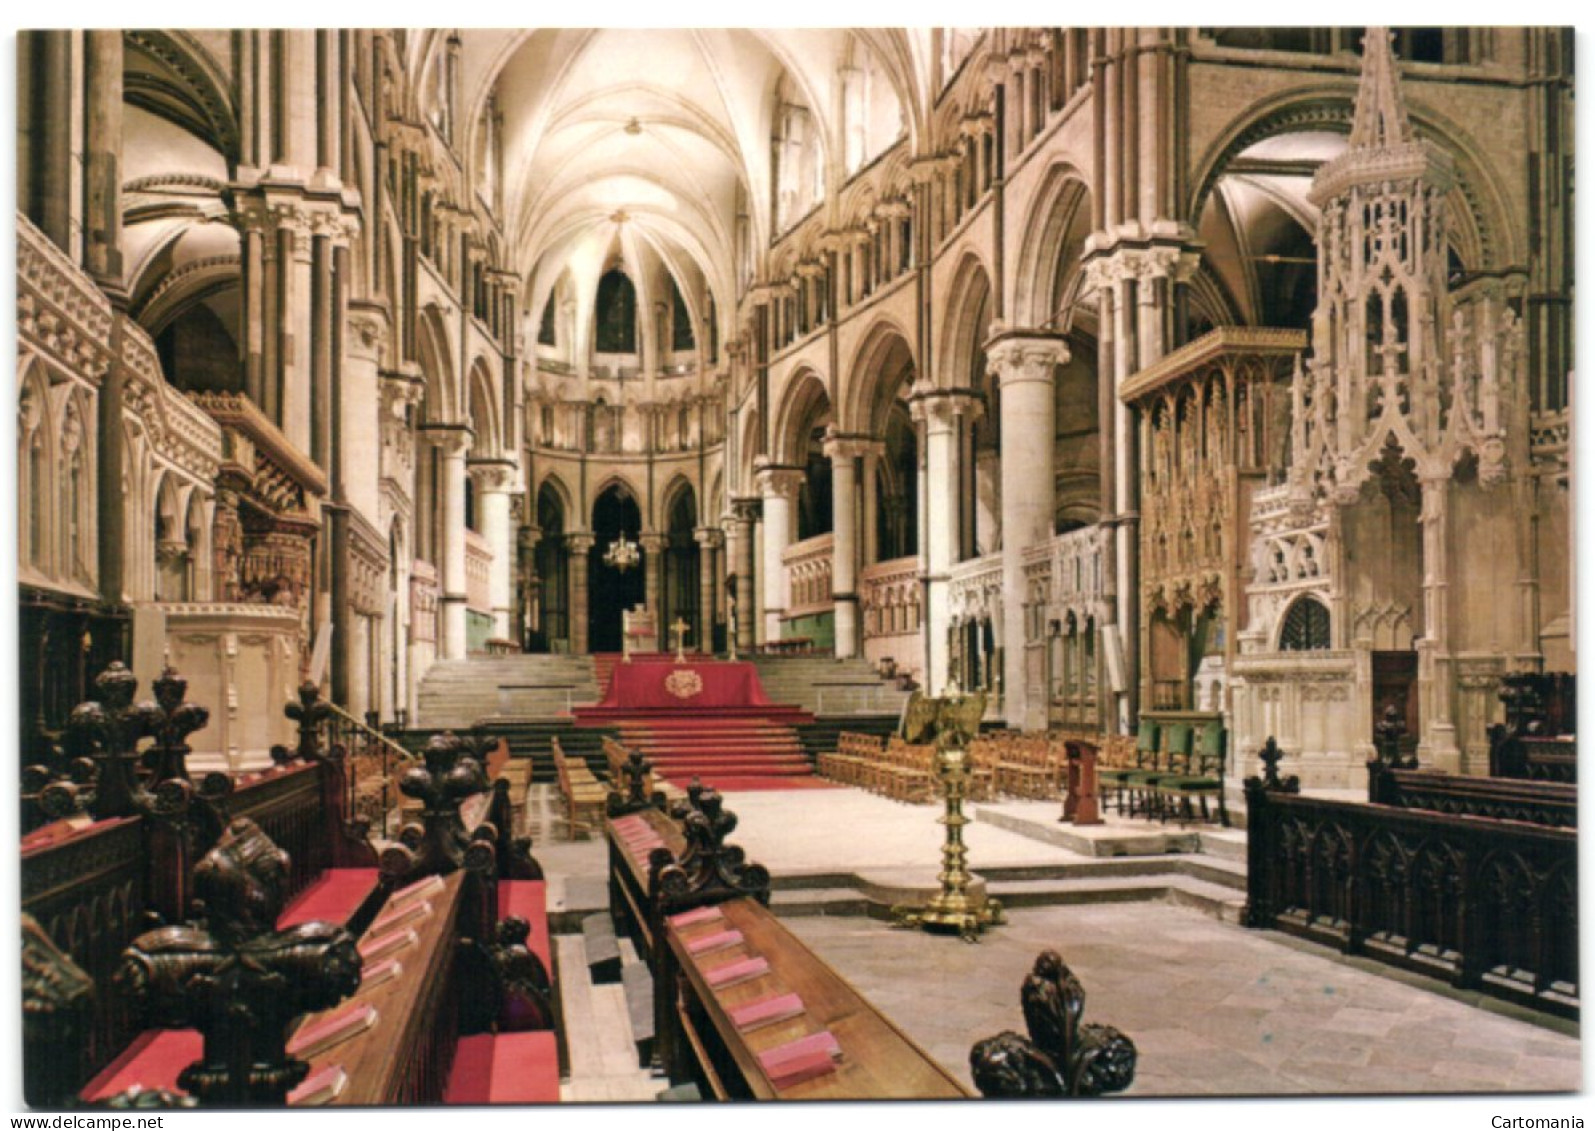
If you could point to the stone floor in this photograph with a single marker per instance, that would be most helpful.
(1214, 1009)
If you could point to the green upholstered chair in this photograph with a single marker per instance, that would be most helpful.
(1173, 756)
(1204, 779)
(1116, 778)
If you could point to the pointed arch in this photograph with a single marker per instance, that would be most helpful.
(1059, 218)
(804, 400)
(966, 324)
(884, 358)
(434, 350)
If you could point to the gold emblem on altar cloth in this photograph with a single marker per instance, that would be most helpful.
(684, 685)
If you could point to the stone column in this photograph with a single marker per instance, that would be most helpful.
(779, 487)
(653, 591)
(102, 157)
(579, 545)
(943, 413)
(739, 549)
(844, 453)
(494, 482)
(870, 480)
(708, 539)
(294, 318)
(1024, 363)
(454, 442)
(45, 162)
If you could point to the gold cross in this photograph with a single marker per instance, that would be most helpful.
(679, 631)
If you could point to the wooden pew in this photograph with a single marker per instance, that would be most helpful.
(1550, 803)
(405, 1057)
(878, 1061)
(1487, 904)
(583, 794)
(91, 888)
(630, 906)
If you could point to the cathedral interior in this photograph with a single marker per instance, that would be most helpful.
(537, 549)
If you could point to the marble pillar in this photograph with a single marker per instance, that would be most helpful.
(1024, 363)
(739, 549)
(844, 454)
(779, 488)
(708, 539)
(653, 567)
(495, 481)
(454, 443)
(580, 546)
(943, 413)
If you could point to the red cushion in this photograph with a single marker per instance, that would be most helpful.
(332, 897)
(509, 1068)
(529, 900)
(152, 1061)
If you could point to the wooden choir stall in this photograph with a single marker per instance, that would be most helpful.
(742, 1008)
(249, 941)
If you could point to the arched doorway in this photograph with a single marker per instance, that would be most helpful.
(612, 591)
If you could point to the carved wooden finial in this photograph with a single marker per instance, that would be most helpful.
(236, 978)
(1062, 1057)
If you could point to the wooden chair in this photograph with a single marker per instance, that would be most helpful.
(1172, 757)
(1204, 778)
(584, 794)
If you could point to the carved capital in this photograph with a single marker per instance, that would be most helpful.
(453, 440)
(1024, 356)
(779, 482)
(939, 409)
(492, 476)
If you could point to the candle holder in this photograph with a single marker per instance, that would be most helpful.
(951, 721)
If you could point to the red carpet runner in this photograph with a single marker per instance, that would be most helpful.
(705, 719)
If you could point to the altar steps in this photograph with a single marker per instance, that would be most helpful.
(727, 753)
(478, 689)
(823, 685)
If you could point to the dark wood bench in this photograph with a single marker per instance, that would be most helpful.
(1551, 803)
(1485, 903)
(877, 1060)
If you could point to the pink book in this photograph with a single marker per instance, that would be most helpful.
(717, 941)
(384, 971)
(736, 972)
(797, 1069)
(411, 912)
(695, 916)
(320, 1035)
(374, 947)
(823, 1043)
(320, 1087)
(766, 1011)
(416, 890)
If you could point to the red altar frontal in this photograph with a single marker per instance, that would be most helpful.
(674, 693)
(654, 686)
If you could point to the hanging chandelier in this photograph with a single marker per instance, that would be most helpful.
(623, 554)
